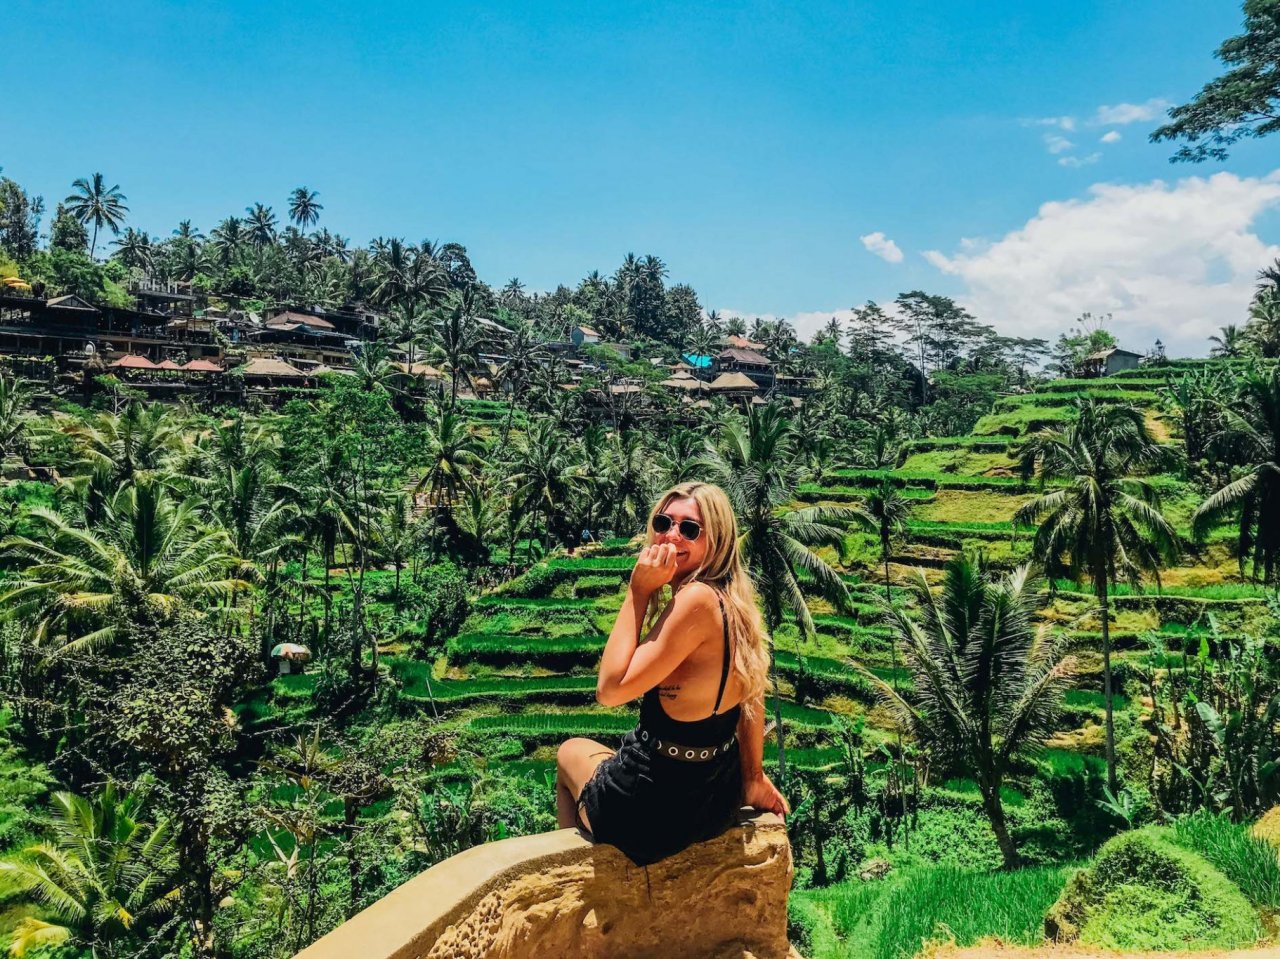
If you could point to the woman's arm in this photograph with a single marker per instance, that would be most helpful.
(622, 643)
(758, 790)
(629, 668)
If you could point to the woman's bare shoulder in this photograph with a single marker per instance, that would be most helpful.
(701, 601)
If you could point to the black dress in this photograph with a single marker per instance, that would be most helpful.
(652, 805)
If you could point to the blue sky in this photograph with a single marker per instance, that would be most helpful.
(751, 148)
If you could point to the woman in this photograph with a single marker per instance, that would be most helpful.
(697, 754)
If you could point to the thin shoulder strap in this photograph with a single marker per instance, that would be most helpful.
(724, 673)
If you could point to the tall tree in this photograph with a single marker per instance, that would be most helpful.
(985, 684)
(1242, 103)
(1231, 342)
(108, 877)
(261, 222)
(79, 586)
(92, 201)
(14, 398)
(1105, 521)
(1252, 429)
(134, 249)
(304, 207)
(756, 465)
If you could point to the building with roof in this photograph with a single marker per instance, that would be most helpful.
(1109, 362)
(580, 335)
(750, 362)
(733, 341)
(731, 383)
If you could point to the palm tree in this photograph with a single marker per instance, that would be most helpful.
(134, 249)
(228, 239)
(887, 512)
(632, 478)
(758, 469)
(150, 554)
(1252, 429)
(143, 439)
(374, 372)
(92, 201)
(304, 209)
(545, 474)
(108, 877)
(408, 324)
(14, 398)
(986, 685)
(1263, 328)
(392, 263)
(457, 349)
(524, 355)
(1231, 342)
(395, 538)
(262, 225)
(1105, 522)
(451, 450)
(185, 231)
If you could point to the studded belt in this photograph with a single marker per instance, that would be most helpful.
(692, 754)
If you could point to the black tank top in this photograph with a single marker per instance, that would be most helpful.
(709, 731)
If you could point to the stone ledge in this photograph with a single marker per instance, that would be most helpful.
(556, 894)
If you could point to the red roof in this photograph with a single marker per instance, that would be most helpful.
(132, 362)
(202, 366)
(167, 365)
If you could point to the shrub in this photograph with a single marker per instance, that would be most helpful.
(440, 601)
(596, 586)
(1145, 892)
(895, 917)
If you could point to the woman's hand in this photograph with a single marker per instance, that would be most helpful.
(655, 567)
(761, 793)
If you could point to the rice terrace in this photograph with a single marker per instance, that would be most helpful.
(316, 551)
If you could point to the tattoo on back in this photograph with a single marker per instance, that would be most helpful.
(668, 692)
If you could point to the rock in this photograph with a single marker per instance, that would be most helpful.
(558, 895)
(875, 869)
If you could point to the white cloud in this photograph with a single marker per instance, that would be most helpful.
(1169, 261)
(1077, 162)
(1112, 136)
(1057, 144)
(1062, 123)
(1123, 113)
(882, 246)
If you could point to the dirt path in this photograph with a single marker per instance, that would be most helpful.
(998, 951)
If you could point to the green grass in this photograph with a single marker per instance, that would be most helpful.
(1249, 862)
(498, 648)
(1025, 419)
(957, 442)
(895, 917)
(590, 564)
(1110, 383)
(507, 603)
(1100, 394)
(928, 479)
(1218, 591)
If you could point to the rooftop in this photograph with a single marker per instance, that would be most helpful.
(745, 356)
(733, 381)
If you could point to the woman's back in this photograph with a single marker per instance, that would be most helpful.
(704, 682)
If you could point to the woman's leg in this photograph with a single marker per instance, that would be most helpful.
(576, 760)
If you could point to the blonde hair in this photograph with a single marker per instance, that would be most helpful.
(723, 570)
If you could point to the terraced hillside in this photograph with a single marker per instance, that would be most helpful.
(520, 675)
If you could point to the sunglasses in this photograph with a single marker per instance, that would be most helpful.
(689, 529)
